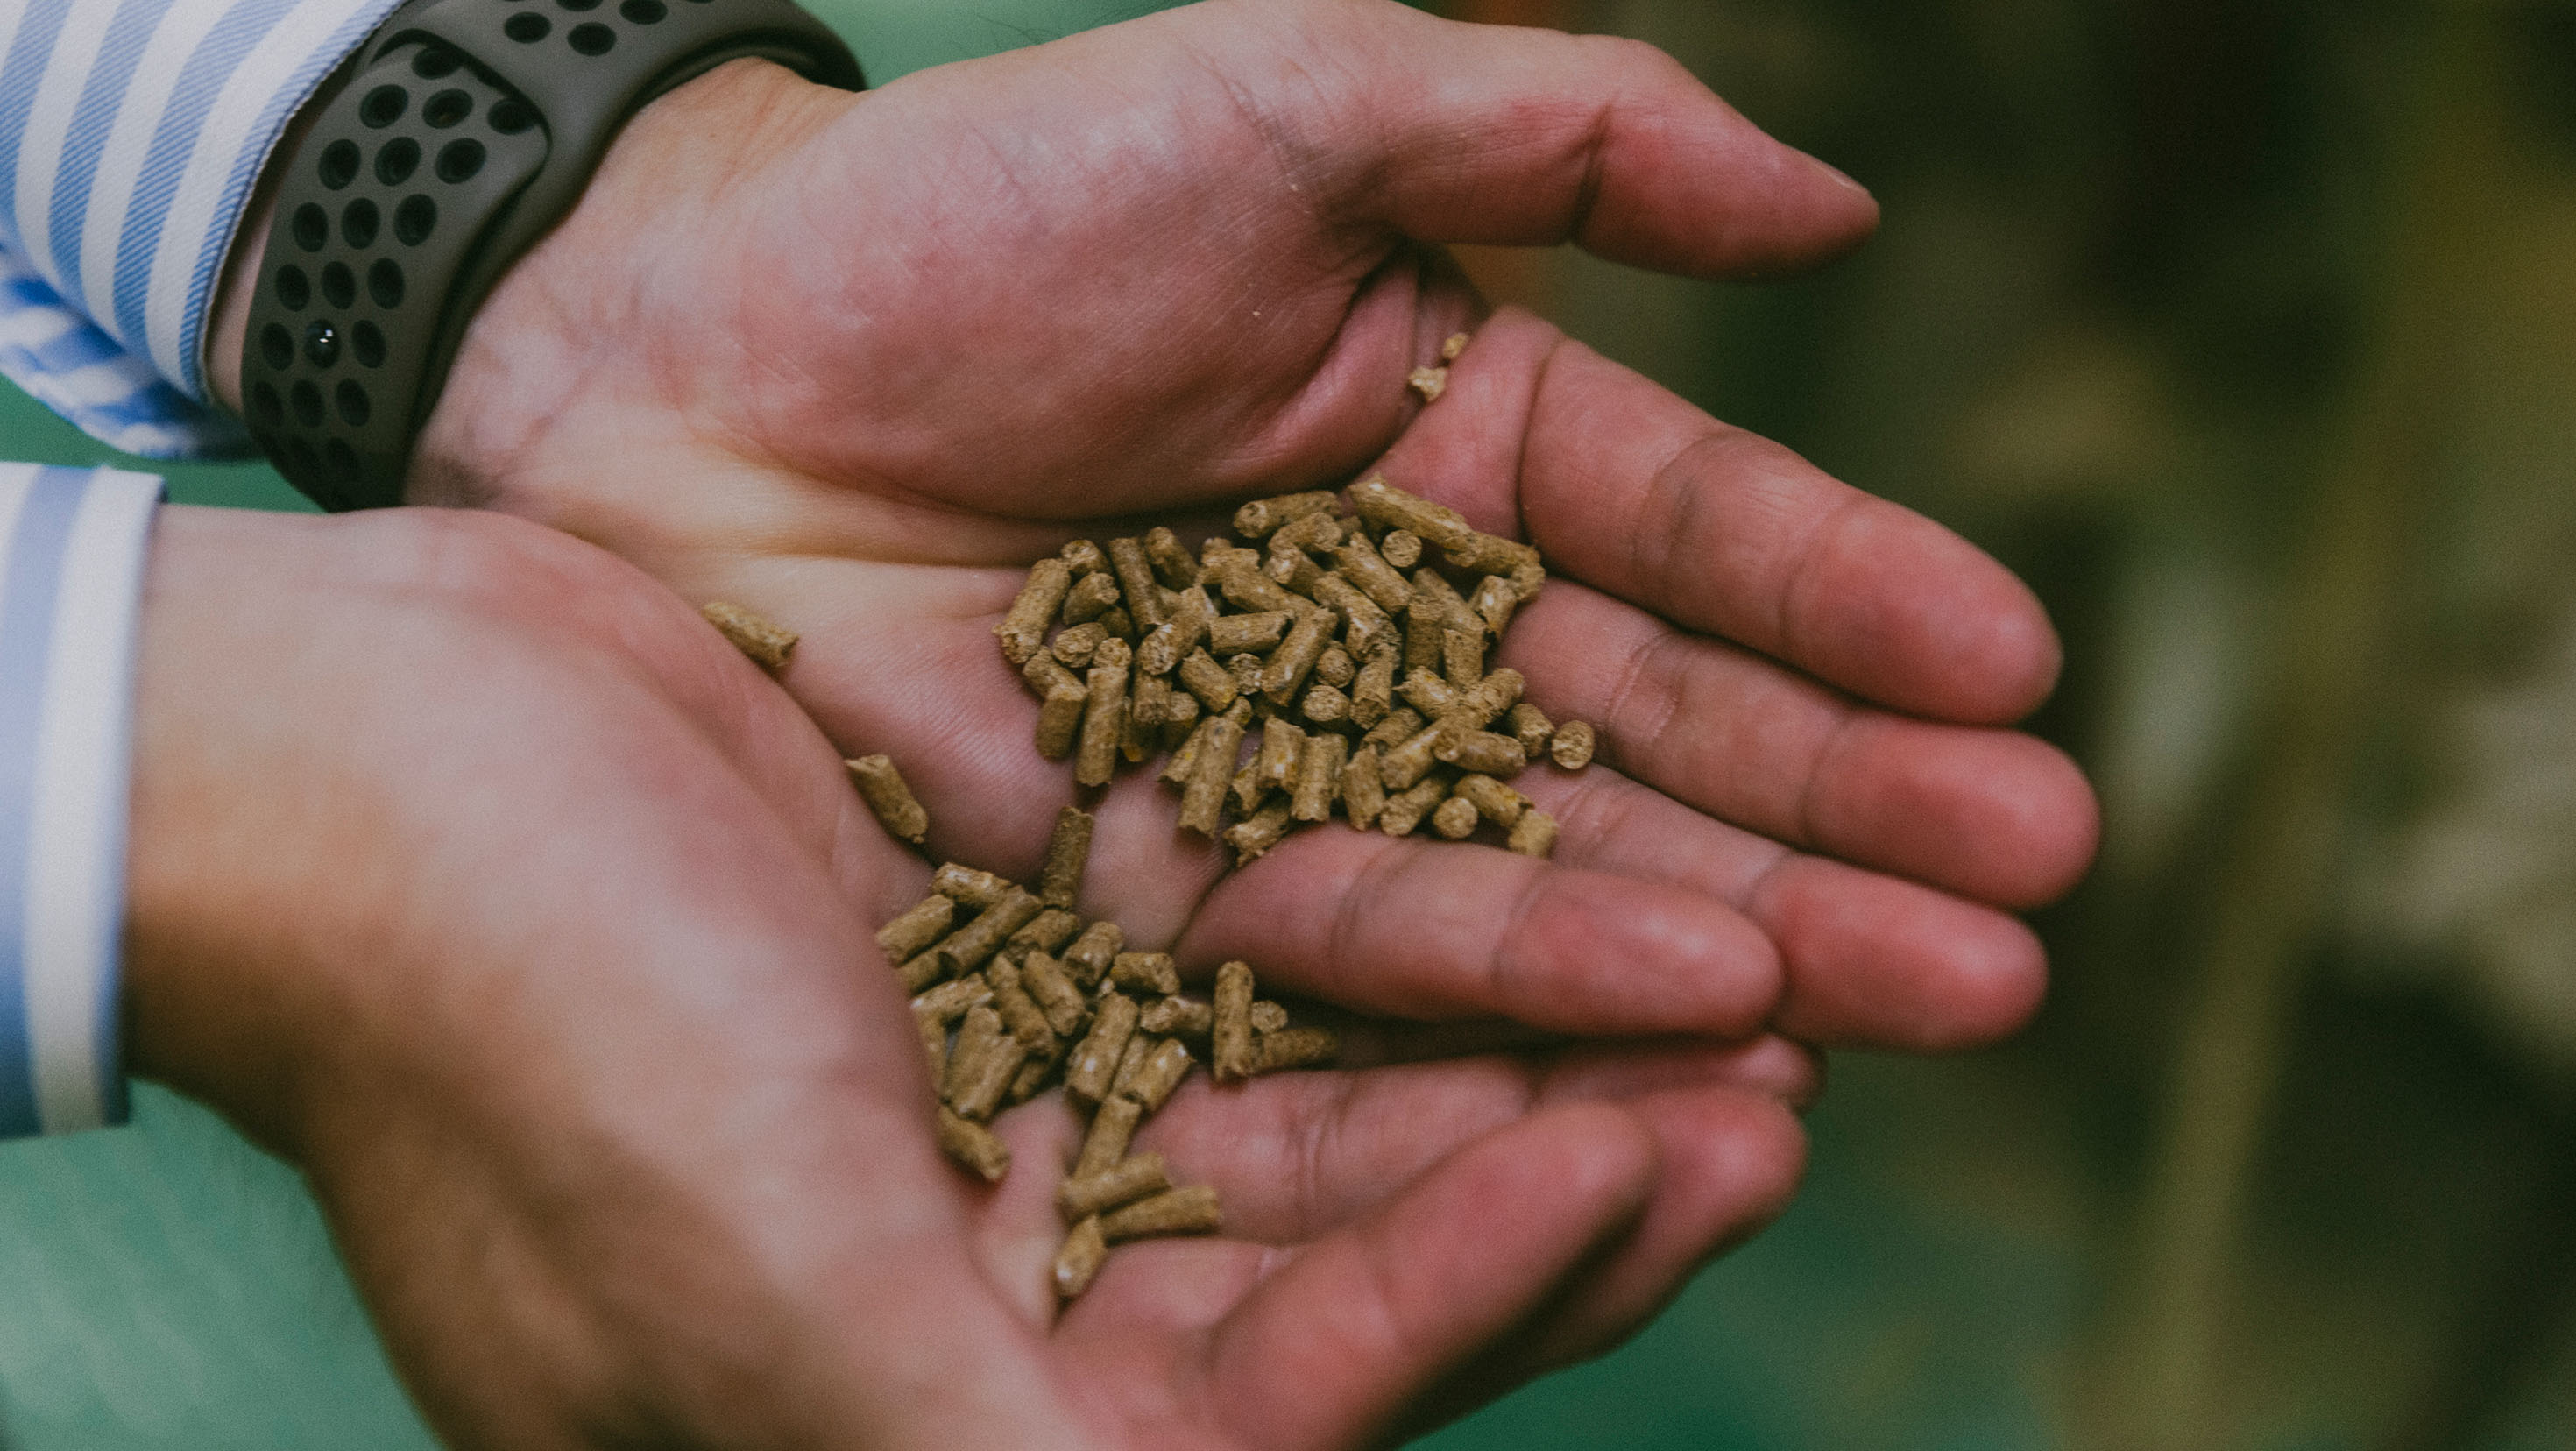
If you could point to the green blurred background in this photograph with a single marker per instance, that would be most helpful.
(2247, 332)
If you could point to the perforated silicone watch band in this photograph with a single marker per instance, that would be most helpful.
(470, 128)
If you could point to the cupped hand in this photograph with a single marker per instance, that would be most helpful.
(474, 874)
(854, 360)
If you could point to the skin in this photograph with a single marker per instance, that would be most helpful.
(853, 361)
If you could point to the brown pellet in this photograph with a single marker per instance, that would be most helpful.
(1083, 557)
(1089, 957)
(1125, 1182)
(1268, 1016)
(1078, 1259)
(1481, 553)
(1250, 589)
(1046, 932)
(1400, 548)
(1094, 1064)
(1060, 720)
(1292, 569)
(1405, 765)
(766, 643)
(1020, 1012)
(1247, 670)
(1499, 691)
(972, 1146)
(1193, 1210)
(1136, 583)
(1534, 834)
(1462, 657)
(920, 970)
(1231, 635)
(1314, 533)
(1211, 683)
(1429, 692)
(1160, 1073)
(1104, 721)
(1572, 746)
(1336, 668)
(1364, 565)
(1176, 637)
(1530, 726)
(1259, 832)
(1405, 809)
(1363, 789)
(1261, 517)
(1180, 718)
(1324, 706)
(1373, 689)
(1203, 801)
(967, 948)
(1490, 752)
(1140, 1046)
(890, 797)
(1494, 602)
(1052, 989)
(1046, 674)
(1091, 597)
(1294, 1048)
(1112, 1125)
(1493, 800)
(1363, 623)
(924, 923)
(1230, 1034)
(1389, 507)
(1177, 1017)
(1185, 759)
(1036, 1072)
(934, 1047)
(1394, 728)
(1073, 648)
(1319, 775)
(1172, 563)
(1145, 972)
(951, 1000)
(1297, 653)
(1068, 847)
(1424, 624)
(1120, 625)
(969, 887)
(1281, 744)
(1429, 382)
(983, 1064)
(1455, 819)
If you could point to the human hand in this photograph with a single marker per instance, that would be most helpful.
(473, 874)
(849, 359)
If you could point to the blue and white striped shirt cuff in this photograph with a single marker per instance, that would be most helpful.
(131, 135)
(71, 584)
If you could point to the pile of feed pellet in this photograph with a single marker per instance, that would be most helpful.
(1014, 993)
(1352, 668)
(1294, 650)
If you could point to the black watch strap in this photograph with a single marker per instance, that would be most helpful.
(469, 128)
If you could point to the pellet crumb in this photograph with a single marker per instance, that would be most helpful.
(766, 643)
(1451, 346)
(1429, 382)
(890, 797)
(1572, 745)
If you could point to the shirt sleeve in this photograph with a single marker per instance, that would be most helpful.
(131, 134)
(71, 577)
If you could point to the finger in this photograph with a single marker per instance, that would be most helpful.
(1867, 960)
(1301, 1155)
(1635, 492)
(1992, 814)
(1331, 1347)
(1728, 1164)
(1381, 116)
(1422, 929)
